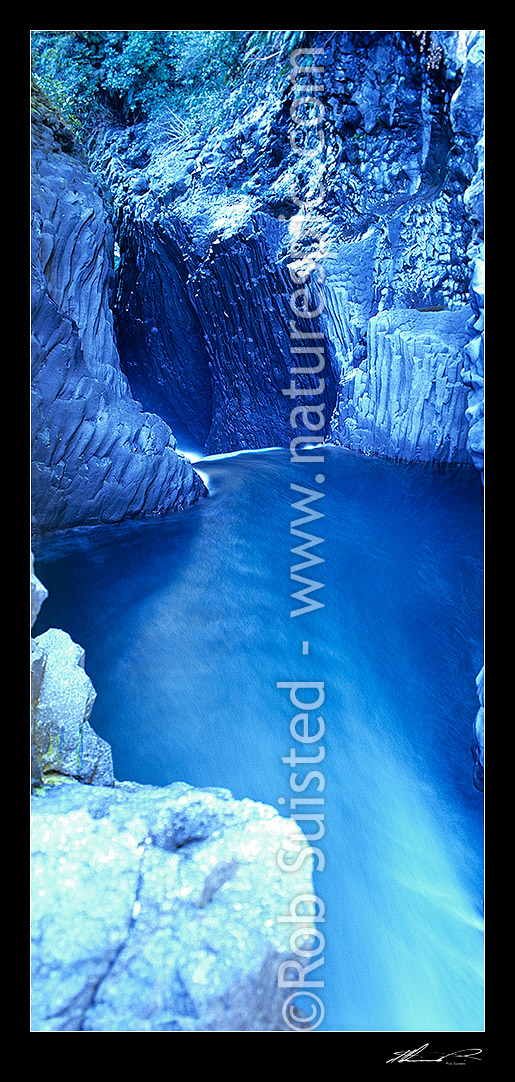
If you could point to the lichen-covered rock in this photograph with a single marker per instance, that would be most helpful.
(159, 909)
(63, 741)
(96, 455)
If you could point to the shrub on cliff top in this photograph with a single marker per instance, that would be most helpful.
(130, 74)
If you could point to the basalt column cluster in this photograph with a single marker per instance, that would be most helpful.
(209, 226)
(97, 456)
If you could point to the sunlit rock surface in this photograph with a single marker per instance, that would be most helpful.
(158, 910)
(96, 455)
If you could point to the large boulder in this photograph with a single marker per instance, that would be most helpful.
(63, 740)
(163, 909)
(153, 909)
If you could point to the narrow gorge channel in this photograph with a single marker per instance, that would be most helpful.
(269, 639)
(187, 631)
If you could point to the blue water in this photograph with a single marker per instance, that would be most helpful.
(187, 631)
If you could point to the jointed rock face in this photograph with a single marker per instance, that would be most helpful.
(209, 229)
(97, 456)
(387, 215)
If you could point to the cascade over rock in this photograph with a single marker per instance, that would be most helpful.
(96, 455)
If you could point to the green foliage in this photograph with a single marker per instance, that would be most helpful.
(48, 106)
(266, 45)
(93, 71)
(132, 75)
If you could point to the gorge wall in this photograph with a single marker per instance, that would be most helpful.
(97, 456)
(209, 228)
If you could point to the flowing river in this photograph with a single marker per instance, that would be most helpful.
(186, 625)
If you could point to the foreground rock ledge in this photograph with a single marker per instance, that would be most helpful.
(156, 909)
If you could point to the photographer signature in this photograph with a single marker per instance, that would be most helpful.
(413, 1055)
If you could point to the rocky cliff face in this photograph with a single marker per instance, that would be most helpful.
(383, 212)
(202, 310)
(408, 401)
(97, 455)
